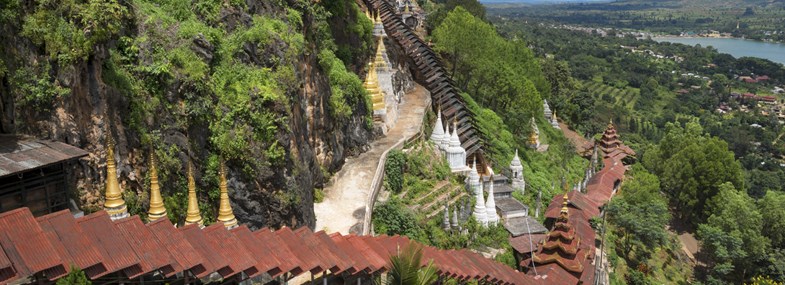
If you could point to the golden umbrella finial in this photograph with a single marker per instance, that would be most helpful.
(114, 204)
(157, 209)
(193, 216)
(564, 210)
(225, 214)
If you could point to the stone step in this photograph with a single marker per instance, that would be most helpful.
(452, 201)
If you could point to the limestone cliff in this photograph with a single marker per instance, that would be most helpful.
(254, 82)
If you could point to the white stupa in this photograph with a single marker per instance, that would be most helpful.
(456, 155)
(490, 207)
(516, 170)
(438, 131)
(480, 213)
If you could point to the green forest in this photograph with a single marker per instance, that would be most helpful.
(758, 20)
(697, 169)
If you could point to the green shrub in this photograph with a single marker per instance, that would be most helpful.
(393, 171)
(75, 277)
(61, 26)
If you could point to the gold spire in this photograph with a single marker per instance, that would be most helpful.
(379, 60)
(372, 85)
(192, 214)
(564, 210)
(114, 204)
(157, 209)
(225, 214)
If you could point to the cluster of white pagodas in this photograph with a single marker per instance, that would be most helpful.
(484, 211)
(450, 144)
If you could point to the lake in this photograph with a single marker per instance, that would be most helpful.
(735, 47)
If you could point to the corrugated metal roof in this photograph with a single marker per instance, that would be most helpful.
(182, 255)
(27, 247)
(341, 258)
(526, 243)
(115, 251)
(6, 268)
(265, 259)
(67, 236)
(326, 260)
(128, 246)
(359, 262)
(289, 261)
(377, 262)
(229, 246)
(212, 261)
(18, 154)
(150, 253)
(310, 261)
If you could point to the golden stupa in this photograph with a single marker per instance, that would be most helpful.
(372, 85)
(225, 214)
(379, 59)
(192, 214)
(114, 204)
(157, 209)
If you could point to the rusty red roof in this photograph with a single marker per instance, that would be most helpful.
(289, 261)
(117, 254)
(227, 244)
(311, 261)
(129, 246)
(265, 259)
(182, 255)
(576, 200)
(526, 243)
(149, 252)
(326, 260)
(71, 243)
(27, 247)
(359, 262)
(6, 268)
(343, 261)
(211, 260)
(378, 261)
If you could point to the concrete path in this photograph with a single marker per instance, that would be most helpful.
(343, 208)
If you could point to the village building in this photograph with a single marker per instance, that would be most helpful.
(35, 174)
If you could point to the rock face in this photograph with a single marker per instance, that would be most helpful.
(91, 102)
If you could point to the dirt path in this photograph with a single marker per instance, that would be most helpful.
(343, 208)
(577, 140)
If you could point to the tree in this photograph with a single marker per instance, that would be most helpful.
(691, 166)
(393, 218)
(499, 74)
(406, 269)
(732, 234)
(75, 277)
(773, 205)
(641, 213)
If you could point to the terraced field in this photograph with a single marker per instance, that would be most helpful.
(433, 202)
(624, 97)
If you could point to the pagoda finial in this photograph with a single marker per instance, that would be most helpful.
(225, 214)
(193, 216)
(564, 210)
(114, 203)
(157, 209)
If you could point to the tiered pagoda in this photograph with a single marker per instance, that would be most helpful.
(612, 146)
(610, 139)
(562, 246)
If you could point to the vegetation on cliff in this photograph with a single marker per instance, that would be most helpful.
(195, 81)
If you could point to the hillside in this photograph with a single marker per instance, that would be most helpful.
(251, 82)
